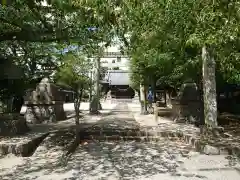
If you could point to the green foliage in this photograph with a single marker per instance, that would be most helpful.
(55, 21)
(163, 38)
(74, 72)
(166, 38)
(32, 33)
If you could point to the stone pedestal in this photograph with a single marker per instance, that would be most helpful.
(44, 104)
(109, 96)
(38, 113)
(136, 96)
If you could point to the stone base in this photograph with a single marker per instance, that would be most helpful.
(49, 112)
(214, 132)
(95, 106)
(191, 113)
(11, 125)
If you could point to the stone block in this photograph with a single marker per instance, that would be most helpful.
(28, 94)
(188, 105)
(45, 92)
(39, 113)
(211, 150)
(223, 151)
(45, 103)
(193, 153)
(48, 92)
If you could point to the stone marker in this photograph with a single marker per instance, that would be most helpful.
(188, 106)
(45, 103)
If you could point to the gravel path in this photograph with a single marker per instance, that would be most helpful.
(96, 160)
(117, 160)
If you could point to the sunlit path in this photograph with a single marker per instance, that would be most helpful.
(117, 159)
(69, 107)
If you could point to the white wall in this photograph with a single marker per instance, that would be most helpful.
(107, 62)
(118, 78)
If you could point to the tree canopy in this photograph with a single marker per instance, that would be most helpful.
(34, 34)
(166, 37)
(162, 38)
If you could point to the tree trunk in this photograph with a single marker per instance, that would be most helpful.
(154, 90)
(95, 105)
(77, 104)
(143, 99)
(209, 89)
(77, 126)
(10, 104)
(77, 139)
(90, 88)
(165, 97)
(139, 95)
(17, 104)
(168, 99)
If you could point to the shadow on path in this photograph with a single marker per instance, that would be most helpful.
(95, 159)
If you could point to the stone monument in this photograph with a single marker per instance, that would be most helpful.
(136, 96)
(109, 96)
(45, 103)
(188, 105)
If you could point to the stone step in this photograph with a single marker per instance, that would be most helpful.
(25, 146)
(21, 146)
(128, 138)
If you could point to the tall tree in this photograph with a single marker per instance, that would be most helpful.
(74, 73)
(174, 28)
(33, 32)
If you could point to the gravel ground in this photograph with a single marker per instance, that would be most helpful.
(96, 160)
(128, 160)
(117, 160)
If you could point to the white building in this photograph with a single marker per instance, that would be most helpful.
(113, 59)
(117, 64)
